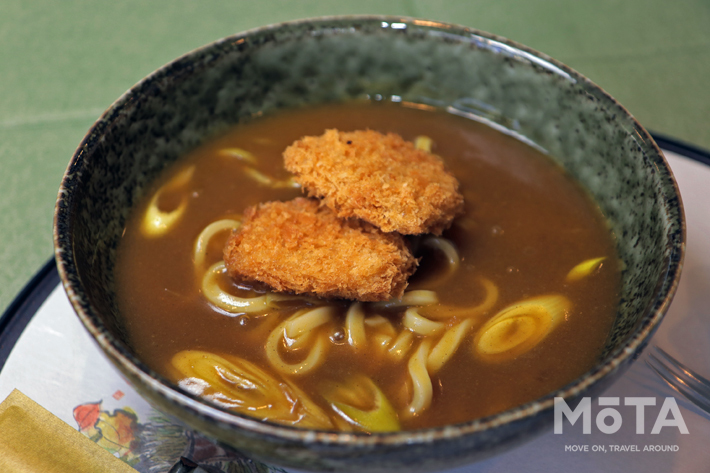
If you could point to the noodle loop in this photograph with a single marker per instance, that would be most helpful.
(421, 325)
(295, 333)
(451, 254)
(226, 301)
(447, 345)
(442, 312)
(200, 251)
(422, 390)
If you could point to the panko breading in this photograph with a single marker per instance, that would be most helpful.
(381, 179)
(304, 248)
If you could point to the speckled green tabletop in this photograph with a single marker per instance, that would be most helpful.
(63, 63)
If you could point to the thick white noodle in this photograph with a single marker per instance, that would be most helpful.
(203, 240)
(314, 358)
(447, 345)
(269, 181)
(382, 340)
(422, 390)
(420, 297)
(453, 260)
(382, 332)
(228, 302)
(355, 326)
(310, 320)
(238, 153)
(380, 326)
(401, 345)
(443, 312)
(421, 325)
(376, 321)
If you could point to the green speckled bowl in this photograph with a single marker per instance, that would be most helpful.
(335, 59)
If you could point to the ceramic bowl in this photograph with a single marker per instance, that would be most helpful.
(489, 78)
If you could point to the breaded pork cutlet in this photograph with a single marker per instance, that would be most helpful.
(381, 179)
(302, 247)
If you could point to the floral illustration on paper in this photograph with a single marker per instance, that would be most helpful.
(115, 432)
(159, 445)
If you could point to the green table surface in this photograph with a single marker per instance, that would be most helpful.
(63, 62)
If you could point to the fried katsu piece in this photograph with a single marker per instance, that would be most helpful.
(302, 247)
(381, 179)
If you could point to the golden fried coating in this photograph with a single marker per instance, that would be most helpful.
(381, 179)
(302, 247)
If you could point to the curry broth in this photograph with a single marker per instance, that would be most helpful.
(526, 225)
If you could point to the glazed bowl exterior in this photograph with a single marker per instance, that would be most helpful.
(457, 69)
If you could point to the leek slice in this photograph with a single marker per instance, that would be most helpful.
(423, 143)
(156, 222)
(361, 403)
(584, 269)
(519, 327)
(242, 386)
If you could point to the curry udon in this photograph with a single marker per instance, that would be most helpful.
(515, 300)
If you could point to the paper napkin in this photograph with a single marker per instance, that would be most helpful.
(33, 440)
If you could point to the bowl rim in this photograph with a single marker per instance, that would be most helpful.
(122, 358)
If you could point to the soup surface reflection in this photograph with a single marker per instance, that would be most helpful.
(526, 226)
